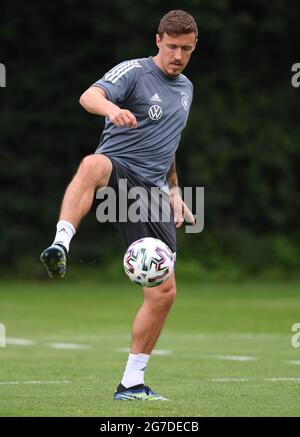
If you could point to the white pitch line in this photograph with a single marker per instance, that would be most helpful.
(230, 379)
(255, 379)
(233, 357)
(32, 382)
(69, 346)
(228, 336)
(28, 342)
(281, 379)
(161, 352)
(20, 342)
(297, 362)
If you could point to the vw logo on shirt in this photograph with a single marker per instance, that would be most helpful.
(155, 112)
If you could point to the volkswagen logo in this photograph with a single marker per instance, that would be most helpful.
(155, 112)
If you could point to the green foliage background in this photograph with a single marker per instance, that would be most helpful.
(241, 142)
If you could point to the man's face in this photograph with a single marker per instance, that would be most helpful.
(175, 52)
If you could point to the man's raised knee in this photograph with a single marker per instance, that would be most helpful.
(96, 168)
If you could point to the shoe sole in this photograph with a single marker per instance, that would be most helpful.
(54, 261)
(136, 398)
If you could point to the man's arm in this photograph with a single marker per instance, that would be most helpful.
(94, 100)
(180, 210)
(172, 176)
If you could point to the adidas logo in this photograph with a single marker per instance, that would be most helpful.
(155, 98)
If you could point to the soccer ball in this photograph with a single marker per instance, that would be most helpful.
(148, 262)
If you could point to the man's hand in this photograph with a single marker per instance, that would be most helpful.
(180, 210)
(121, 117)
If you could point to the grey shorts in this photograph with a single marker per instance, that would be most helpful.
(160, 228)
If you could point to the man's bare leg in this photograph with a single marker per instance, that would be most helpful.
(93, 172)
(150, 318)
(146, 329)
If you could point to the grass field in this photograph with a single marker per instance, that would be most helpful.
(225, 351)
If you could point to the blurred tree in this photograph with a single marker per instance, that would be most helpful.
(241, 142)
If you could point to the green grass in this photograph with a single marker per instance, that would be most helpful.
(208, 322)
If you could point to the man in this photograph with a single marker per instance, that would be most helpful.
(146, 103)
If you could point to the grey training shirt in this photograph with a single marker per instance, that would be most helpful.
(161, 106)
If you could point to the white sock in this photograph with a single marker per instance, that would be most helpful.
(135, 368)
(64, 233)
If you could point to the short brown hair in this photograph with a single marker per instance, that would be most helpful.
(177, 22)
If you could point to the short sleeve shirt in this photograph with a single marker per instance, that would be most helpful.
(161, 106)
